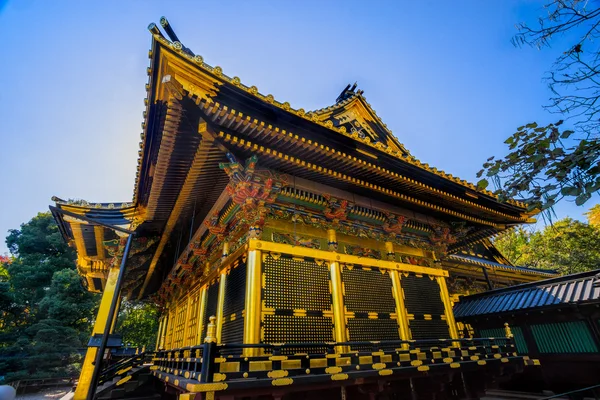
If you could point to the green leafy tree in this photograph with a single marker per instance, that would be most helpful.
(49, 313)
(138, 323)
(46, 315)
(593, 216)
(568, 246)
(547, 163)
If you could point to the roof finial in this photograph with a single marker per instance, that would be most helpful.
(168, 29)
(171, 34)
(347, 92)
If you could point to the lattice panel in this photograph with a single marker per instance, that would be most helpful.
(292, 329)
(180, 323)
(192, 321)
(429, 329)
(368, 291)
(301, 285)
(422, 295)
(296, 284)
(422, 298)
(365, 329)
(212, 298)
(235, 295)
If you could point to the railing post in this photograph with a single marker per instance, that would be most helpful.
(510, 337)
(209, 352)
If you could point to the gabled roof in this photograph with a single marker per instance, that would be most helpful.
(195, 115)
(355, 114)
(325, 119)
(570, 289)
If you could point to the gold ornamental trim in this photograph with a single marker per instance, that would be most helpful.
(255, 244)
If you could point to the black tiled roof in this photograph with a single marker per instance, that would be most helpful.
(570, 289)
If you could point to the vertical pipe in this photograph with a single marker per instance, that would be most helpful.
(253, 301)
(487, 278)
(220, 303)
(116, 316)
(87, 367)
(402, 315)
(111, 314)
(447, 307)
(339, 312)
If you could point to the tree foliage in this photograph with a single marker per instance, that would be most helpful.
(138, 323)
(46, 314)
(568, 246)
(547, 163)
(593, 216)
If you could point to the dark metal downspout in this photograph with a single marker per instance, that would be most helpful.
(107, 327)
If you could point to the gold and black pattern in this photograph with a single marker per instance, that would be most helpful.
(233, 307)
(292, 283)
(365, 329)
(368, 290)
(192, 328)
(296, 293)
(294, 329)
(369, 297)
(212, 302)
(428, 329)
(423, 301)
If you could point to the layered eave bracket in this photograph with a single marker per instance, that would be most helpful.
(98, 247)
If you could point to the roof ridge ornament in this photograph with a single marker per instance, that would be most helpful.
(348, 92)
(172, 35)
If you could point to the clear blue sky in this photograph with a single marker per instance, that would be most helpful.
(442, 75)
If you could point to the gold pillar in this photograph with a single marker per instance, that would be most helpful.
(339, 312)
(201, 311)
(402, 315)
(186, 326)
(159, 333)
(389, 249)
(163, 338)
(253, 301)
(220, 303)
(332, 243)
(447, 307)
(87, 368)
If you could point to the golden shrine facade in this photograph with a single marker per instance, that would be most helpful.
(307, 248)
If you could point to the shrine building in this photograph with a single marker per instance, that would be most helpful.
(292, 252)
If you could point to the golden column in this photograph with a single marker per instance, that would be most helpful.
(159, 333)
(401, 314)
(201, 311)
(447, 307)
(253, 299)
(87, 368)
(337, 295)
(221, 298)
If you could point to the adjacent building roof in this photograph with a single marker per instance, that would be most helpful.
(564, 290)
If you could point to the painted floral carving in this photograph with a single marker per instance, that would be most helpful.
(295, 240)
(362, 252)
(394, 224)
(336, 210)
